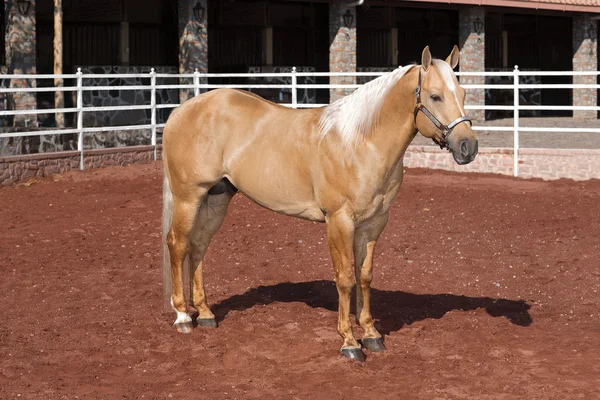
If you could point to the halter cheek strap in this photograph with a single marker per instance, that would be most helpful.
(445, 130)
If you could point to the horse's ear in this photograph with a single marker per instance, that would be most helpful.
(426, 58)
(452, 59)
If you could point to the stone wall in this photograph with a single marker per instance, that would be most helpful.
(18, 168)
(585, 58)
(283, 95)
(361, 80)
(547, 164)
(116, 97)
(533, 163)
(472, 56)
(342, 47)
(503, 97)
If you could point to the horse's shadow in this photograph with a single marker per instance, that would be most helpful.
(392, 309)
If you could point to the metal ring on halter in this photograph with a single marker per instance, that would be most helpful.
(446, 130)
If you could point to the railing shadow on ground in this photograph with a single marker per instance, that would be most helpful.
(392, 309)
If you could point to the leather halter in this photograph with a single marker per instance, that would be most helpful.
(446, 130)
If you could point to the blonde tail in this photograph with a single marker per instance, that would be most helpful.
(167, 218)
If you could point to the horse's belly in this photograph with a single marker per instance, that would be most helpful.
(268, 198)
(279, 193)
(274, 170)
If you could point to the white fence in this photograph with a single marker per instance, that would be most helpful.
(197, 84)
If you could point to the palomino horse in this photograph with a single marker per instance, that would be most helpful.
(340, 164)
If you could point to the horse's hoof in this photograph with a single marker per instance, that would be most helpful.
(208, 322)
(373, 344)
(184, 327)
(353, 353)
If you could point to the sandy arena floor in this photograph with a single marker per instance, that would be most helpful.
(485, 287)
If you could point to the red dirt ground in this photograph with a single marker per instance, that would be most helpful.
(485, 287)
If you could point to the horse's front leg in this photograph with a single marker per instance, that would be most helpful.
(340, 235)
(365, 238)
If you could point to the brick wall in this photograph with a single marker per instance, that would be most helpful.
(472, 56)
(585, 58)
(342, 47)
(193, 43)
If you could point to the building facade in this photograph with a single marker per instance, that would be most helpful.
(319, 35)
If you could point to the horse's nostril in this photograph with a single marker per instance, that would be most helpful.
(464, 148)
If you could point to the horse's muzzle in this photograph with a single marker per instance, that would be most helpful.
(465, 151)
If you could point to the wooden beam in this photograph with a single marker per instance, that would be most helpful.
(59, 97)
(124, 43)
(268, 46)
(124, 35)
(504, 49)
(394, 46)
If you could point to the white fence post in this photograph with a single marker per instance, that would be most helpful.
(196, 82)
(294, 89)
(80, 116)
(153, 109)
(516, 121)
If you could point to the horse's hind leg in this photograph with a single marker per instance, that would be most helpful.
(184, 213)
(365, 238)
(209, 219)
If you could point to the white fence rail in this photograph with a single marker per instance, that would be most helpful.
(197, 86)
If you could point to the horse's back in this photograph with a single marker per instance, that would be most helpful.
(201, 123)
(220, 106)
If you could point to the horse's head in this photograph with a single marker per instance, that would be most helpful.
(439, 112)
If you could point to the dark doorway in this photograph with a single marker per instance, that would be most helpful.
(92, 33)
(268, 37)
(418, 28)
(374, 37)
(238, 35)
(534, 43)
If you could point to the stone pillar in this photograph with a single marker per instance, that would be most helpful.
(585, 58)
(20, 54)
(59, 97)
(342, 48)
(21, 57)
(472, 55)
(193, 42)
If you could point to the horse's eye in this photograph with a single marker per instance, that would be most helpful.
(435, 97)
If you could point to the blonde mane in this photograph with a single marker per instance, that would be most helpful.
(353, 116)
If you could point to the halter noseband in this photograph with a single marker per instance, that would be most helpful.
(446, 130)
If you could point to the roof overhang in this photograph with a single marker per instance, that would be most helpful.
(524, 4)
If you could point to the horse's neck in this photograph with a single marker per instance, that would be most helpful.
(396, 128)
